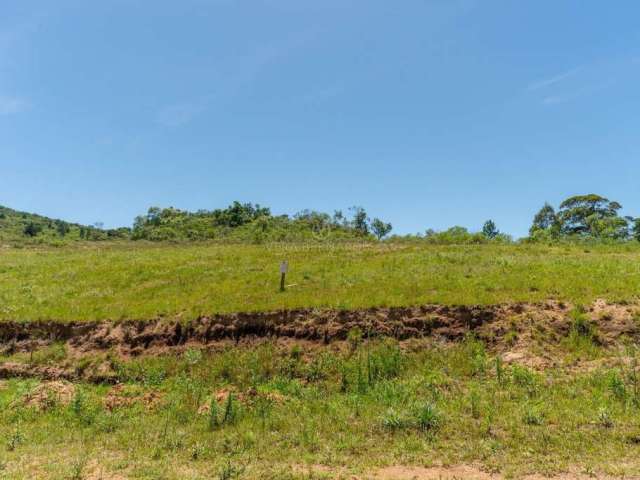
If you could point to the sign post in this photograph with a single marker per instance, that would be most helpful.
(284, 268)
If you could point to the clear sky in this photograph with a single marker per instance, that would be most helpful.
(428, 113)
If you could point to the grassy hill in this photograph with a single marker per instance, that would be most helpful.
(533, 393)
(237, 223)
(29, 228)
(147, 280)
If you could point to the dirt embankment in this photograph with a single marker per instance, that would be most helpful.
(510, 329)
(316, 325)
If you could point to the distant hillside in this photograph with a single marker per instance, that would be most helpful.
(239, 222)
(23, 227)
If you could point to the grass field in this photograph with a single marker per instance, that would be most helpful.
(141, 281)
(272, 412)
(280, 408)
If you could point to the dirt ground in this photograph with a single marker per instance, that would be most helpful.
(522, 333)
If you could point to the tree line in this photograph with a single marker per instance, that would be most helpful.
(255, 223)
(582, 217)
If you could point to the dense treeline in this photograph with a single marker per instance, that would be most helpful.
(249, 222)
(580, 218)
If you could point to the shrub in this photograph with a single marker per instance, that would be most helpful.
(32, 229)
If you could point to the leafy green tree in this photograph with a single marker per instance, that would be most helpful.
(32, 229)
(316, 221)
(339, 218)
(609, 227)
(62, 228)
(545, 220)
(380, 229)
(238, 214)
(588, 215)
(360, 220)
(490, 230)
(635, 230)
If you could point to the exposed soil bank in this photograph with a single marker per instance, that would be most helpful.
(490, 323)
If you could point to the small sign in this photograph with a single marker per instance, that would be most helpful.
(284, 266)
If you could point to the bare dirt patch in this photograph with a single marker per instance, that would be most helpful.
(247, 397)
(48, 394)
(459, 472)
(124, 396)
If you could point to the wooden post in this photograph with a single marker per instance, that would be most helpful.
(284, 268)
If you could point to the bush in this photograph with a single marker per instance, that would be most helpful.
(32, 229)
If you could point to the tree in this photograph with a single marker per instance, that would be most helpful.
(32, 229)
(490, 230)
(238, 214)
(380, 228)
(316, 221)
(545, 220)
(635, 230)
(62, 228)
(588, 215)
(360, 220)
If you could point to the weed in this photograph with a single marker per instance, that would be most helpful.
(230, 410)
(634, 380)
(383, 362)
(500, 371)
(296, 352)
(604, 418)
(580, 324)
(197, 450)
(315, 371)
(78, 403)
(354, 337)
(617, 386)
(511, 337)
(470, 358)
(475, 404)
(525, 378)
(533, 417)
(16, 438)
(263, 407)
(193, 356)
(230, 471)
(214, 423)
(393, 420)
(78, 467)
(428, 418)
(227, 416)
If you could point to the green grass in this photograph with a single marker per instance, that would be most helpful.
(352, 411)
(138, 280)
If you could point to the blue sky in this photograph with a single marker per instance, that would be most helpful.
(429, 113)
